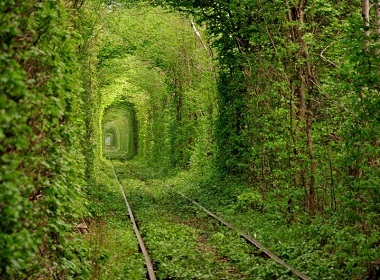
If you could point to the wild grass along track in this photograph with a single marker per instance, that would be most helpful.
(250, 240)
(148, 261)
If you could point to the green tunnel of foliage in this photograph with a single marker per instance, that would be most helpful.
(119, 132)
(286, 101)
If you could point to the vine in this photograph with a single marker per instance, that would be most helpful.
(41, 178)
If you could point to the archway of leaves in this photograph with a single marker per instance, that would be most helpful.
(296, 114)
(158, 66)
(119, 131)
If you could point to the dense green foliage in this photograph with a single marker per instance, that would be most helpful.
(266, 111)
(41, 164)
(119, 131)
(298, 92)
(155, 61)
(298, 104)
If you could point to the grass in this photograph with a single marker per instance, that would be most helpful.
(114, 248)
(183, 241)
(186, 244)
(322, 248)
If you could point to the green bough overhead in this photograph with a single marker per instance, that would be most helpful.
(282, 111)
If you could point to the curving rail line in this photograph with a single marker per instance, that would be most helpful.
(148, 262)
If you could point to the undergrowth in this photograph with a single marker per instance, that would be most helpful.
(185, 243)
(323, 247)
(114, 248)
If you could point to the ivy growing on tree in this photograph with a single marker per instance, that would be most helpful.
(279, 97)
(41, 175)
(297, 97)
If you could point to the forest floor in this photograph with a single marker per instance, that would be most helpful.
(184, 243)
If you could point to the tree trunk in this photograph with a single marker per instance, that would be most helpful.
(377, 24)
(306, 79)
(365, 15)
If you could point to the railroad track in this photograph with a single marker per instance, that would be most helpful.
(148, 261)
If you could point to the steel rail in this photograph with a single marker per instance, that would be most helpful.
(246, 237)
(148, 261)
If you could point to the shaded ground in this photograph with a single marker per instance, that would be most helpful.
(183, 241)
